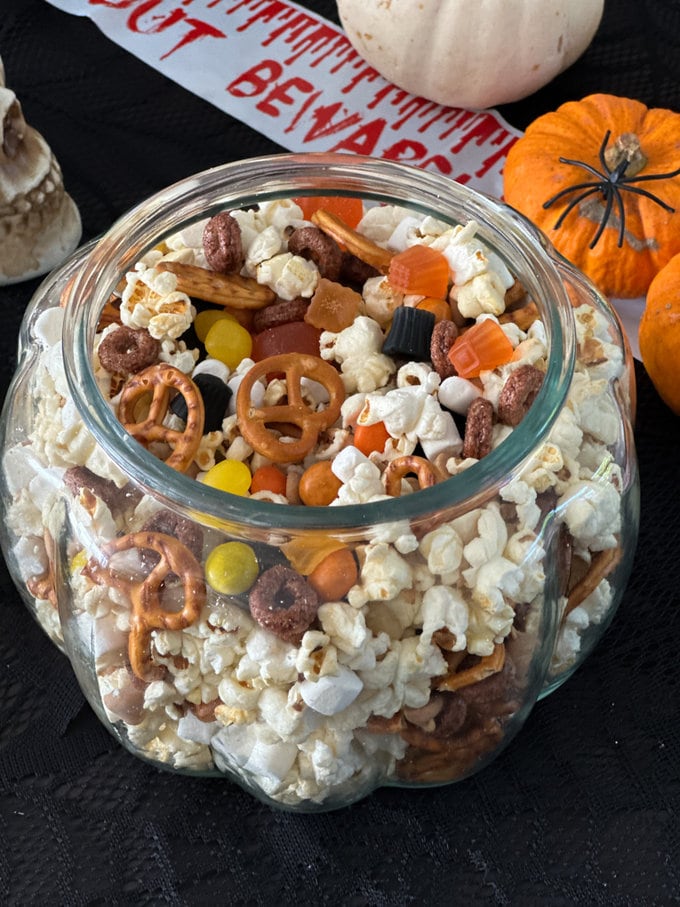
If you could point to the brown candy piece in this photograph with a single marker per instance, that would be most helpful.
(127, 350)
(518, 393)
(444, 334)
(315, 245)
(284, 603)
(222, 244)
(478, 429)
(283, 311)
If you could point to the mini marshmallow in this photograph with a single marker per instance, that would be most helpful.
(212, 367)
(271, 761)
(189, 727)
(456, 394)
(47, 326)
(331, 694)
(345, 464)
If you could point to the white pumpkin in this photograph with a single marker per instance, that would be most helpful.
(470, 53)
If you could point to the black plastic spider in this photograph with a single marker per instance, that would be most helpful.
(610, 183)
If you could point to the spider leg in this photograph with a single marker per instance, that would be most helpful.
(653, 198)
(605, 218)
(569, 190)
(572, 204)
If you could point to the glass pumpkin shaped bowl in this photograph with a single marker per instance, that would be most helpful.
(193, 616)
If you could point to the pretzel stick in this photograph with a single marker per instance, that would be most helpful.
(354, 242)
(222, 289)
(490, 664)
(601, 565)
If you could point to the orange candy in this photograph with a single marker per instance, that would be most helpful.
(350, 210)
(268, 478)
(334, 576)
(420, 270)
(483, 346)
(319, 485)
(440, 308)
(369, 438)
(333, 306)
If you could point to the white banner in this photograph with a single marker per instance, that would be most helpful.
(294, 77)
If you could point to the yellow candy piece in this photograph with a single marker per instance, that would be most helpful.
(207, 318)
(78, 561)
(231, 568)
(228, 341)
(232, 476)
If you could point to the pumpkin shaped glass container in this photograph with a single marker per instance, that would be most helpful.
(464, 581)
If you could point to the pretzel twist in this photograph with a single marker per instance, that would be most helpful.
(148, 613)
(400, 467)
(254, 421)
(161, 381)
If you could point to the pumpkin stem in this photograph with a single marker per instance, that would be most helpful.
(626, 148)
(621, 163)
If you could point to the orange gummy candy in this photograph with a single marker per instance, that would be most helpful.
(420, 270)
(333, 307)
(350, 210)
(483, 346)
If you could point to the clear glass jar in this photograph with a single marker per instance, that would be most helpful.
(474, 597)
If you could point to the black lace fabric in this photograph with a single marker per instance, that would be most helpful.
(581, 808)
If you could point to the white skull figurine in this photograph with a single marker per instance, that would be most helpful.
(39, 222)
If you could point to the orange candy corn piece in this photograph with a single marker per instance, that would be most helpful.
(420, 270)
(483, 346)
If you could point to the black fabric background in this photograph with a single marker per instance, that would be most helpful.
(582, 808)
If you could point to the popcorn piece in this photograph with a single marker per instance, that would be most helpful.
(592, 511)
(357, 350)
(150, 300)
(264, 246)
(384, 574)
(380, 300)
(443, 549)
(442, 608)
(288, 275)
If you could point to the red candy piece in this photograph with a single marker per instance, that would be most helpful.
(483, 346)
(293, 337)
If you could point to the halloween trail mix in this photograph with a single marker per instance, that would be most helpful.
(323, 356)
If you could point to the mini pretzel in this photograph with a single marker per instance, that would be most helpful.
(148, 613)
(601, 565)
(222, 289)
(400, 467)
(161, 380)
(485, 667)
(254, 421)
(354, 242)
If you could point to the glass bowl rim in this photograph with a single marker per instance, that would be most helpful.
(102, 263)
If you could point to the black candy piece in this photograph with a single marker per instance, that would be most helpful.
(410, 333)
(216, 396)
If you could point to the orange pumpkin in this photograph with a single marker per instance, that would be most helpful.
(659, 333)
(601, 177)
